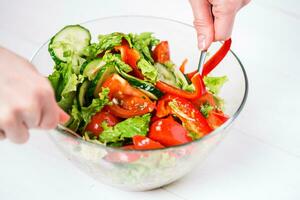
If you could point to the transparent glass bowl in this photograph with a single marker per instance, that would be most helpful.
(145, 170)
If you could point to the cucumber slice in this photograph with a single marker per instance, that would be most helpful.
(149, 89)
(102, 75)
(71, 39)
(82, 91)
(90, 69)
(165, 75)
(172, 77)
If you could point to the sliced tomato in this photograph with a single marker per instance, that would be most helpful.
(95, 126)
(161, 52)
(142, 143)
(127, 100)
(190, 116)
(216, 119)
(168, 132)
(130, 56)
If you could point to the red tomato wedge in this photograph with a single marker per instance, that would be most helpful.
(190, 116)
(95, 126)
(130, 56)
(127, 100)
(161, 52)
(168, 132)
(142, 143)
(197, 82)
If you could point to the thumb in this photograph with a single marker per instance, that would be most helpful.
(63, 116)
(203, 23)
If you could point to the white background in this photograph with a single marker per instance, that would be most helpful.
(259, 159)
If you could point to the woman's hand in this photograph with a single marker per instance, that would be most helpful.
(214, 19)
(26, 99)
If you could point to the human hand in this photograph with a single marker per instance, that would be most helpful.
(213, 19)
(26, 99)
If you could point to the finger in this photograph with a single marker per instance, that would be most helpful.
(63, 116)
(17, 132)
(2, 135)
(32, 114)
(50, 115)
(223, 25)
(203, 22)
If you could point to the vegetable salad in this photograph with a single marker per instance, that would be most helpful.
(124, 90)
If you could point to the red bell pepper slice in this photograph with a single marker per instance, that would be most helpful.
(206, 98)
(216, 119)
(190, 116)
(182, 66)
(214, 60)
(130, 56)
(196, 80)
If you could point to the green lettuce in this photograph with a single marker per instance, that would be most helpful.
(148, 70)
(128, 128)
(205, 109)
(143, 43)
(69, 92)
(81, 116)
(214, 84)
(96, 106)
(56, 80)
(64, 82)
(116, 60)
(75, 118)
(109, 41)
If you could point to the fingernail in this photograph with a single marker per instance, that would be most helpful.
(201, 42)
(63, 117)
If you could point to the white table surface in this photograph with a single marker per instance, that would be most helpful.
(259, 159)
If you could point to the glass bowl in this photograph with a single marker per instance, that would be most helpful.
(144, 170)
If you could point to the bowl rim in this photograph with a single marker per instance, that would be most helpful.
(213, 133)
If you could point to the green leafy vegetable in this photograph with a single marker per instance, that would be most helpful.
(75, 119)
(80, 117)
(143, 43)
(193, 135)
(96, 106)
(109, 41)
(128, 128)
(214, 84)
(148, 70)
(56, 80)
(205, 109)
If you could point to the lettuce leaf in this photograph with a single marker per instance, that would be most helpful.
(128, 128)
(214, 84)
(109, 41)
(205, 109)
(81, 116)
(143, 43)
(148, 70)
(96, 106)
